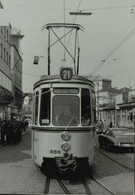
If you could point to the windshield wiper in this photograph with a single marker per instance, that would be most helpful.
(70, 122)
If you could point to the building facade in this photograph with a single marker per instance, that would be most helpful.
(6, 96)
(10, 72)
(16, 70)
(120, 109)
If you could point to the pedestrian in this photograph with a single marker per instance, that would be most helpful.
(110, 125)
(100, 126)
(3, 140)
(1, 132)
(8, 131)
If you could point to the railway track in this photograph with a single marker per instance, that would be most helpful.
(64, 187)
(119, 163)
(108, 190)
(86, 183)
(85, 186)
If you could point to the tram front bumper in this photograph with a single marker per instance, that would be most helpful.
(65, 166)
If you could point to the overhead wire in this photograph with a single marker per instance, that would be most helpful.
(103, 8)
(115, 49)
(74, 22)
(119, 34)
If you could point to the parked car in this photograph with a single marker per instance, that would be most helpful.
(118, 139)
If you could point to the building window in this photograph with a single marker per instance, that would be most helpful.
(7, 35)
(5, 82)
(2, 29)
(5, 31)
(1, 50)
(4, 54)
(9, 61)
(7, 58)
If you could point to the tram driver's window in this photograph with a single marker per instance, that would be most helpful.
(36, 107)
(94, 107)
(85, 107)
(45, 107)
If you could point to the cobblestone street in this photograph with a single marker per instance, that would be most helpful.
(18, 174)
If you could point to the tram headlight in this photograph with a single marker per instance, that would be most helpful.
(65, 147)
(66, 136)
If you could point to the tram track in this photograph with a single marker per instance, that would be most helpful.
(64, 187)
(86, 183)
(46, 186)
(83, 185)
(102, 185)
(119, 163)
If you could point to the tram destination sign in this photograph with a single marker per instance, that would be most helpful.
(66, 73)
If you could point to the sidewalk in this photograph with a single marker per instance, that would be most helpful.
(26, 131)
(23, 133)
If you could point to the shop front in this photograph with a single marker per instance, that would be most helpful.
(6, 98)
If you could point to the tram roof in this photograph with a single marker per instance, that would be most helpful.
(57, 79)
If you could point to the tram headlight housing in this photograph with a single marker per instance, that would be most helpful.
(66, 136)
(65, 147)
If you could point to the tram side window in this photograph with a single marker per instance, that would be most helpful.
(45, 107)
(94, 106)
(85, 107)
(36, 107)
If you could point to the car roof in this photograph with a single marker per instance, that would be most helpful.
(117, 128)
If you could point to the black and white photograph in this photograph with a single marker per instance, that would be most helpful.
(67, 97)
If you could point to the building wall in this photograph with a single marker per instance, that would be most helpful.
(10, 72)
(5, 53)
(122, 114)
(5, 75)
(16, 66)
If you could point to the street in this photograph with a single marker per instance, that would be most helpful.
(18, 173)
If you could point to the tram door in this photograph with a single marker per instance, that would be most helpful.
(34, 145)
(35, 121)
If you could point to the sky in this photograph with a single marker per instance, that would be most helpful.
(107, 43)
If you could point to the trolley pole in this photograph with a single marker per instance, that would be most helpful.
(48, 51)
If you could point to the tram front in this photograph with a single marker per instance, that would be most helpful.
(64, 124)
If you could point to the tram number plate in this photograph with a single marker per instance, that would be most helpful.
(66, 73)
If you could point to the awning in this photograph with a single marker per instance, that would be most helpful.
(132, 111)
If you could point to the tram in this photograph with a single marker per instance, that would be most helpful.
(63, 131)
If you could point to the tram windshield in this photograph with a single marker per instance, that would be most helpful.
(65, 110)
